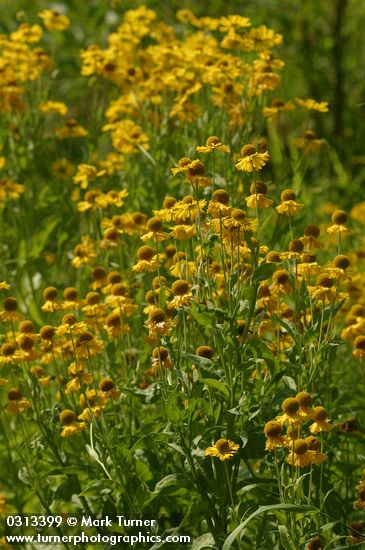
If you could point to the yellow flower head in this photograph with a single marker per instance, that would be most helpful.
(17, 403)
(321, 424)
(312, 105)
(70, 424)
(273, 435)
(213, 144)
(291, 414)
(57, 107)
(224, 449)
(289, 206)
(300, 455)
(251, 160)
(53, 20)
(339, 219)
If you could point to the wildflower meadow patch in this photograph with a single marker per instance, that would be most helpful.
(182, 290)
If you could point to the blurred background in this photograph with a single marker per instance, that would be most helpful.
(323, 49)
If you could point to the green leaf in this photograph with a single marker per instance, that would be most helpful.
(96, 487)
(216, 384)
(263, 272)
(271, 507)
(285, 537)
(167, 481)
(69, 487)
(41, 238)
(197, 360)
(172, 409)
(289, 383)
(204, 318)
(205, 541)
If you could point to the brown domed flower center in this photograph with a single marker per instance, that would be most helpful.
(222, 446)
(106, 384)
(10, 304)
(304, 399)
(14, 394)
(272, 429)
(312, 230)
(288, 195)
(154, 224)
(341, 262)
(290, 405)
(179, 288)
(204, 351)
(300, 447)
(67, 417)
(281, 277)
(248, 150)
(258, 187)
(320, 414)
(221, 196)
(339, 217)
(145, 253)
(157, 316)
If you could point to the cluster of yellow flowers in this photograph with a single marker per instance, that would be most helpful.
(297, 411)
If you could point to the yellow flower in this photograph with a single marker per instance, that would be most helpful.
(300, 455)
(258, 200)
(339, 219)
(88, 346)
(79, 378)
(52, 303)
(359, 344)
(183, 166)
(213, 144)
(27, 33)
(71, 129)
(291, 414)
(9, 313)
(315, 445)
(183, 232)
(85, 173)
(273, 435)
(308, 142)
(358, 212)
(10, 189)
(127, 136)
(218, 206)
(289, 206)
(53, 20)
(157, 324)
(17, 403)
(4, 285)
(312, 105)
(224, 449)
(69, 422)
(233, 22)
(182, 296)
(63, 169)
(280, 284)
(277, 106)
(305, 404)
(70, 326)
(154, 233)
(251, 160)
(338, 268)
(147, 260)
(57, 107)
(321, 424)
(309, 239)
(84, 253)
